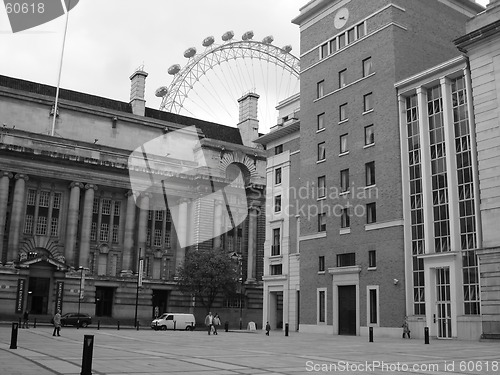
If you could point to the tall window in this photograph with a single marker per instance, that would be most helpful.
(369, 135)
(277, 203)
(343, 112)
(367, 102)
(278, 149)
(321, 121)
(276, 269)
(321, 151)
(320, 89)
(321, 186)
(42, 213)
(343, 144)
(372, 258)
(361, 30)
(159, 229)
(277, 176)
(321, 306)
(324, 50)
(344, 180)
(367, 66)
(373, 306)
(345, 219)
(416, 203)
(275, 248)
(346, 260)
(321, 265)
(342, 78)
(371, 213)
(370, 173)
(322, 222)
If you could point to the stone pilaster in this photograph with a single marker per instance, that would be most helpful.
(128, 241)
(72, 221)
(4, 195)
(88, 203)
(16, 217)
(143, 228)
(182, 232)
(252, 243)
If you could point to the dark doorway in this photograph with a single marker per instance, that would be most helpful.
(103, 301)
(160, 302)
(347, 310)
(38, 295)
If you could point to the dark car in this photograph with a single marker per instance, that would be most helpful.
(73, 319)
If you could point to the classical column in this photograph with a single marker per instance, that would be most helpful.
(182, 232)
(88, 204)
(72, 221)
(252, 243)
(4, 195)
(128, 241)
(143, 227)
(16, 217)
(217, 224)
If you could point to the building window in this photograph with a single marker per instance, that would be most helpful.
(322, 222)
(369, 135)
(346, 260)
(278, 149)
(321, 306)
(371, 213)
(277, 203)
(367, 66)
(343, 112)
(167, 239)
(44, 199)
(323, 51)
(321, 266)
(372, 306)
(320, 89)
(342, 40)
(277, 176)
(370, 173)
(237, 302)
(350, 36)
(106, 206)
(372, 258)
(321, 151)
(345, 219)
(28, 224)
(275, 248)
(157, 238)
(361, 30)
(31, 200)
(54, 227)
(344, 180)
(42, 213)
(333, 45)
(93, 231)
(114, 238)
(321, 121)
(342, 78)
(104, 233)
(321, 186)
(367, 102)
(276, 269)
(343, 144)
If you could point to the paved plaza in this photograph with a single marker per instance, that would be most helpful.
(128, 351)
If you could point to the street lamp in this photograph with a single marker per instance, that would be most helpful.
(81, 269)
(140, 267)
(237, 257)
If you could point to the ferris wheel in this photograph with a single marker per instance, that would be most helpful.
(223, 72)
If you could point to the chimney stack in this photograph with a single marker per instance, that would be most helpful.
(248, 123)
(137, 89)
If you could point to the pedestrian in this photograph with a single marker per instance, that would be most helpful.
(268, 328)
(209, 321)
(216, 322)
(406, 328)
(57, 323)
(26, 319)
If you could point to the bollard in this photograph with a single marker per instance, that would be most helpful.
(226, 326)
(13, 336)
(118, 322)
(286, 329)
(20, 325)
(175, 324)
(426, 335)
(34, 323)
(137, 326)
(88, 348)
(370, 334)
(98, 325)
(156, 325)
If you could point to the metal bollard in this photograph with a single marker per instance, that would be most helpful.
(286, 329)
(175, 324)
(156, 326)
(370, 334)
(88, 348)
(13, 336)
(137, 326)
(20, 325)
(98, 325)
(426, 335)
(226, 326)
(118, 322)
(34, 323)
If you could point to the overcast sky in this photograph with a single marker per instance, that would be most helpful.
(108, 39)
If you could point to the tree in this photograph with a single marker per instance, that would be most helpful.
(206, 273)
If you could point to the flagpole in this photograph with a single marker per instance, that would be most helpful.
(53, 129)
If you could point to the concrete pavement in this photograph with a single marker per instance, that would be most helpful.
(144, 352)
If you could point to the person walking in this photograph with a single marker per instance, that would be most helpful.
(209, 321)
(57, 323)
(268, 328)
(26, 319)
(406, 328)
(216, 322)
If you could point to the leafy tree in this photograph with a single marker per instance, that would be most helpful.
(206, 273)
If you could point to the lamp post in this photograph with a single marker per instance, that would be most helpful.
(237, 257)
(139, 284)
(81, 269)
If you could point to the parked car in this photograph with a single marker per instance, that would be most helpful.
(72, 319)
(174, 321)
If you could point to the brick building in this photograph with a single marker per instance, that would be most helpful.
(352, 244)
(68, 212)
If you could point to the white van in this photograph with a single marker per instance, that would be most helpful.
(174, 321)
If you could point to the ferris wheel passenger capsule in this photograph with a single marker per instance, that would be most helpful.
(228, 35)
(161, 91)
(190, 52)
(268, 39)
(208, 41)
(174, 69)
(248, 35)
(287, 48)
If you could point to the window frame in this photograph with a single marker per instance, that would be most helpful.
(372, 259)
(342, 78)
(321, 187)
(343, 116)
(322, 222)
(370, 179)
(277, 203)
(368, 102)
(320, 121)
(372, 127)
(321, 151)
(320, 89)
(278, 149)
(371, 213)
(345, 218)
(278, 176)
(344, 180)
(342, 149)
(321, 263)
(367, 66)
